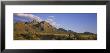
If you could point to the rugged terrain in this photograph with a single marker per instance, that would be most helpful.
(34, 30)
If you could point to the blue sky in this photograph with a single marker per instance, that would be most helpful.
(78, 22)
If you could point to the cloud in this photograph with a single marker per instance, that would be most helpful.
(51, 17)
(31, 16)
(51, 21)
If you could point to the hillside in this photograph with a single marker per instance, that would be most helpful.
(35, 30)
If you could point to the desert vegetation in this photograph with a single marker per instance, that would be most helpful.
(44, 31)
(55, 26)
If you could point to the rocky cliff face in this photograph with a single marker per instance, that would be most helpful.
(34, 26)
(47, 27)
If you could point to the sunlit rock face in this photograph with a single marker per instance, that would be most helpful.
(46, 26)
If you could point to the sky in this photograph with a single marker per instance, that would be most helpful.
(77, 22)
